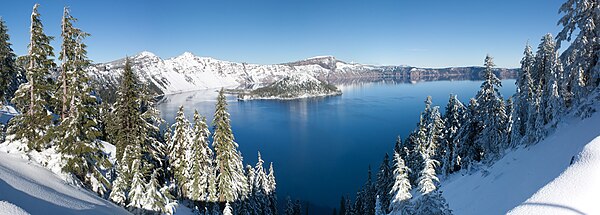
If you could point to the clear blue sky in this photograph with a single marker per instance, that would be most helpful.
(433, 33)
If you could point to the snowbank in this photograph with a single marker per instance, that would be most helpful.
(7, 208)
(538, 178)
(575, 191)
(37, 190)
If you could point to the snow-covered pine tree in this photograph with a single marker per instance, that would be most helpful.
(227, 210)
(120, 186)
(231, 181)
(399, 146)
(154, 145)
(137, 194)
(492, 115)
(411, 151)
(33, 98)
(378, 207)
(401, 189)
(79, 130)
(260, 188)
(429, 130)
(435, 135)
(428, 177)
(581, 58)
(8, 69)
(69, 49)
(385, 181)
(523, 96)
(171, 203)
(177, 156)
(213, 195)
(128, 125)
(468, 151)
(129, 137)
(162, 152)
(416, 142)
(453, 119)
(271, 190)
(155, 200)
(200, 162)
(549, 75)
(249, 205)
(368, 194)
(431, 201)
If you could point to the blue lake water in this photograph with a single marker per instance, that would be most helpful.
(321, 148)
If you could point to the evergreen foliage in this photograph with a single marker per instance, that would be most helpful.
(378, 207)
(79, 130)
(178, 155)
(523, 97)
(453, 119)
(33, 98)
(385, 181)
(8, 69)
(581, 58)
(492, 115)
(200, 166)
(231, 182)
(401, 189)
(128, 126)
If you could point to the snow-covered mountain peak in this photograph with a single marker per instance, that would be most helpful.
(187, 55)
(144, 54)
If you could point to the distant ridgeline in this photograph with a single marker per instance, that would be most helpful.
(188, 72)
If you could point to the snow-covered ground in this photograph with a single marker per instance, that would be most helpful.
(26, 187)
(575, 191)
(538, 179)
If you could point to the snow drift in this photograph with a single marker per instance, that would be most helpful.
(538, 179)
(28, 188)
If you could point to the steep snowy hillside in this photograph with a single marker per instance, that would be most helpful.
(188, 72)
(28, 188)
(294, 86)
(538, 179)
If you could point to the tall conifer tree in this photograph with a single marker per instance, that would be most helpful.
(8, 69)
(231, 182)
(79, 130)
(492, 114)
(33, 98)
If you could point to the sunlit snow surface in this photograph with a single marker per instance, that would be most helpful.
(537, 179)
(26, 186)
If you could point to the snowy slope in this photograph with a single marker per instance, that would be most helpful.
(575, 191)
(538, 179)
(27, 187)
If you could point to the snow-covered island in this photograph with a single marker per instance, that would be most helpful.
(293, 86)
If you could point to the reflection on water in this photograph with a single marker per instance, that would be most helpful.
(322, 147)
